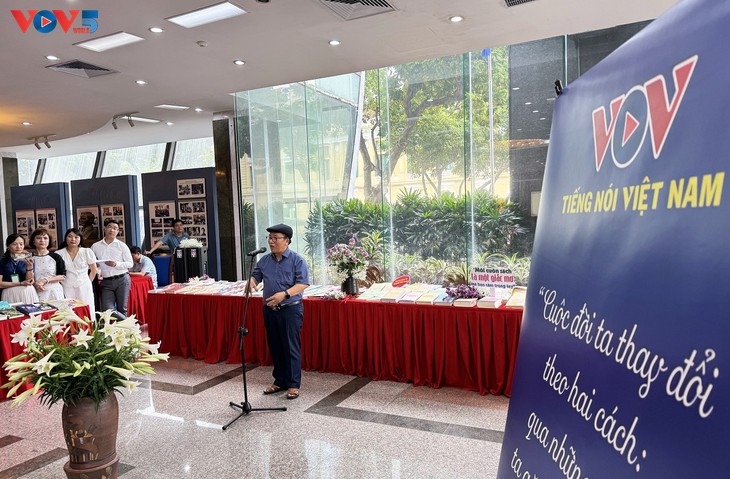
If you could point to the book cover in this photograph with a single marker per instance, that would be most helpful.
(465, 302)
(11, 312)
(393, 295)
(443, 299)
(517, 298)
(28, 309)
(429, 296)
(489, 303)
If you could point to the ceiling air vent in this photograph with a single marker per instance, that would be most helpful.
(353, 9)
(81, 69)
(512, 3)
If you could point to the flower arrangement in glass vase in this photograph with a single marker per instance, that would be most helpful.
(349, 259)
(68, 358)
(465, 295)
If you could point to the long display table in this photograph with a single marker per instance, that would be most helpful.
(467, 348)
(9, 349)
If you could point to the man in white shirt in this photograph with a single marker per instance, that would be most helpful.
(115, 260)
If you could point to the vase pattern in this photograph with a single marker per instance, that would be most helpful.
(349, 286)
(91, 438)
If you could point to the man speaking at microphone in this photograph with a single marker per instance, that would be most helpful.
(285, 275)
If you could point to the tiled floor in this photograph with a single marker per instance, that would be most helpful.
(340, 427)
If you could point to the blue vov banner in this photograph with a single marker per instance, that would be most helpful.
(623, 369)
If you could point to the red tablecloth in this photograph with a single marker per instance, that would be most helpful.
(9, 350)
(468, 348)
(141, 285)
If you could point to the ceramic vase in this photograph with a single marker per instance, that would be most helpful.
(91, 438)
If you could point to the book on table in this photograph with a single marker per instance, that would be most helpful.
(517, 298)
(490, 303)
(11, 312)
(465, 302)
(443, 299)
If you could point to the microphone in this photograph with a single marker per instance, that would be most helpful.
(257, 251)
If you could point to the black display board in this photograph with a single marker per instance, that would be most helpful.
(115, 197)
(190, 195)
(45, 205)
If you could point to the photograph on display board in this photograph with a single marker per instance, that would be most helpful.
(193, 216)
(87, 219)
(161, 218)
(191, 188)
(24, 223)
(115, 212)
(46, 218)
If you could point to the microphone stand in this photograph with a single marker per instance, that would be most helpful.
(245, 406)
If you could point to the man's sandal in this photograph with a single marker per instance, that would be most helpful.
(273, 389)
(292, 394)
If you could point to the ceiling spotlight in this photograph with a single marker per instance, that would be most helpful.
(27, 123)
(35, 142)
(239, 62)
(129, 120)
(47, 143)
(114, 124)
(456, 19)
(156, 30)
(334, 43)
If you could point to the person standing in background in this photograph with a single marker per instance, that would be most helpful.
(49, 268)
(80, 269)
(117, 259)
(17, 272)
(173, 238)
(285, 275)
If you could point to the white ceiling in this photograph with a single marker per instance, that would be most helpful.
(282, 41)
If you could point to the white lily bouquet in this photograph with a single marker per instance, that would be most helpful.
(66, 358)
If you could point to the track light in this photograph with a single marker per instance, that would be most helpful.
(114, 123)
(129, 120)
(37, 140)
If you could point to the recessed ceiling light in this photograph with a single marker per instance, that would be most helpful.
(172, 107)
(156, 30)
(239, 62)
(456, 19)
(334, 43)
(140, 82)
(198, 110)
(108, 42)
(53, 58)
(210, 14)
(27, 123)
(142, 119)
(169, 123)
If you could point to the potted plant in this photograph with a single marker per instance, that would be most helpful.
(82, 363)
(349, 259)
(465, 295)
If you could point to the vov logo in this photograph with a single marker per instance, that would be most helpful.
(45, 21)
(645, 108)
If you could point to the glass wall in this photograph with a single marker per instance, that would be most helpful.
(134, 161)
(26, 171)
(68, 168)
(195, 153)
(433, 166)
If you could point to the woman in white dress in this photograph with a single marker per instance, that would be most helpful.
(17, 272)
(49, 269)
(80, 269)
